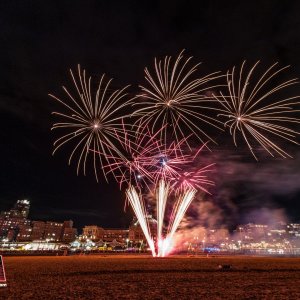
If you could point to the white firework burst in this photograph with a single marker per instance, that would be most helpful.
(249, 108)
(91, 121)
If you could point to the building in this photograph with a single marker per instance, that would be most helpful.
(11, 221)
(14, 226)
(38, 230)
(53, 231)
(111, 234)
(24, 233)
(252, 231)
(92, 232)
(96, 233)
(21, 208)
(50, 231)
(293, 229)
(68, 232)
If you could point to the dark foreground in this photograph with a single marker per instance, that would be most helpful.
(142, 277)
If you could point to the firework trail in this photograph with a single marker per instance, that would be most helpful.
(175, 101)
(91, 121)
(161, 198)
(248, 109)
(179, 209)
(164, 245)
(177, 215)
(138, 207)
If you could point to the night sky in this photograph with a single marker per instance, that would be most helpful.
(41, 40)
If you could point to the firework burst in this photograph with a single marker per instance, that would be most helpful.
(91, 121)
(249, 110)
(175, 101)
(133, 167)
(168, 163)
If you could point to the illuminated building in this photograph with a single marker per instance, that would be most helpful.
(21, 208)
(12, 220)
(24, 233)
(53, 231)
(112, 234)
(68, 233)
(252, 231)
(294, 229)
(57, 232)
(133, 234)
(96, 233)
(14, 226)
(38, 229)
(50, 231)
(92, 232)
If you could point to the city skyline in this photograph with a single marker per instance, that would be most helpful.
(19, 233)
(243, 187)
(19, 215)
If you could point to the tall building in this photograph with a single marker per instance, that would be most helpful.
(22, 208)
(14, 226)
(11, 221)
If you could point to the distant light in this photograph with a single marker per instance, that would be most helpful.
(24, 201)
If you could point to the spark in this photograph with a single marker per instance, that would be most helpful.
(179, 210)
(249, 109)
(161, 198)
(164, 245)
(138, 207)
(91, 121)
